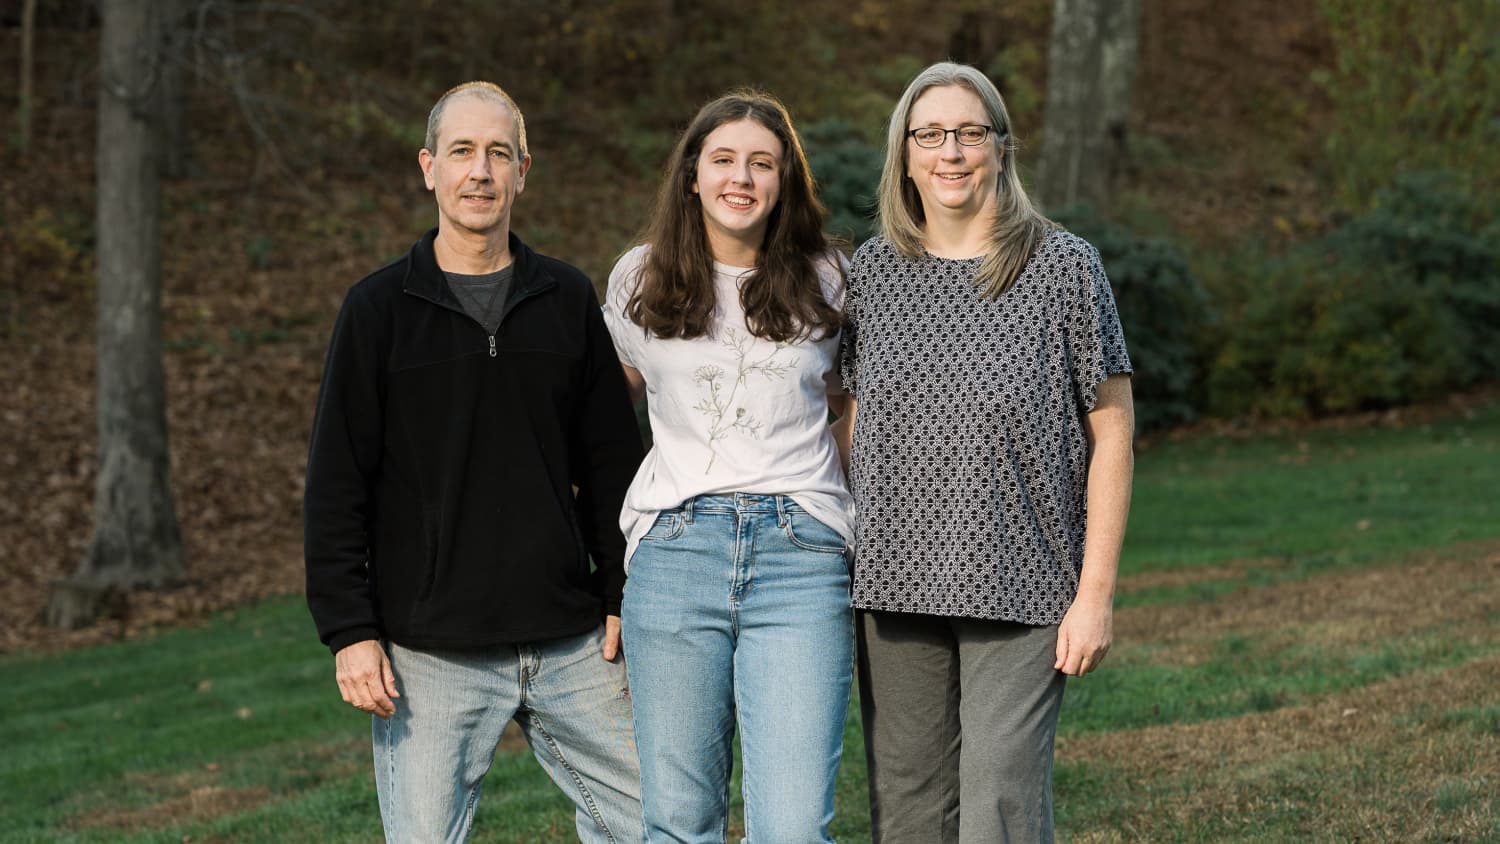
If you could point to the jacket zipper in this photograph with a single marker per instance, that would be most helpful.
(494, 346)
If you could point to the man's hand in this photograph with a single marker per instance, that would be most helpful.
(611, 647)
(365, 678)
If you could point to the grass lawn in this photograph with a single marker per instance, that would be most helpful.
(1308, 649)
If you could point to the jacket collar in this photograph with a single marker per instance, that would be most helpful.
(425, 278)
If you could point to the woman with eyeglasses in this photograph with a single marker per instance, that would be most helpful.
(736, 610)
(991, 463)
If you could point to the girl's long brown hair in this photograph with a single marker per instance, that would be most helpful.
(674, 294)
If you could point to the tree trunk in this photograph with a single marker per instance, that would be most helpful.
(25, 106)
(137, 541)
(173, 154)
(1091, 70)
(1120, 46)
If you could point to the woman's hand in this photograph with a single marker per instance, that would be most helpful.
(1084, 637)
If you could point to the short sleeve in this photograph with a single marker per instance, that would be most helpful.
(848, 358)
(629, 338)
(1096, 341)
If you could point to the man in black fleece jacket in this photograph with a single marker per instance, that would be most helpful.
(472, 446)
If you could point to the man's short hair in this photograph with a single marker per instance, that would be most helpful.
(485, 90)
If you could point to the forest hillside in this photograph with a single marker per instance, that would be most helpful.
(1304, 226)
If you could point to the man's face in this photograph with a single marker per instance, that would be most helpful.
(477, 171)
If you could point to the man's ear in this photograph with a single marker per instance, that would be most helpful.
(425, 161)
(525, 166)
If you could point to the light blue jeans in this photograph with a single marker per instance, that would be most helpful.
(574, 708)
(737, 610)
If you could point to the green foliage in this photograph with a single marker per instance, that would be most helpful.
(45, 252)
(1015, 71)
(52, 242)
(1329, 336)
(1416, 87)
(1162, 307)
(848, 174)
(645, 149)
(1445, 240)
(366, 121)
(1397, 305)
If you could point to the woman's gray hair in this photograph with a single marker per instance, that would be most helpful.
(1018, 227)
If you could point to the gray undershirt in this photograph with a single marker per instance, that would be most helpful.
(482, 296)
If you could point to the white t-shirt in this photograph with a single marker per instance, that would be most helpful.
(731, 412)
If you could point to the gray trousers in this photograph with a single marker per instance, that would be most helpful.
(959, 719)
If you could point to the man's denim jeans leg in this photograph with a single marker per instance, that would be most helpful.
(737, 608)
(432, 755)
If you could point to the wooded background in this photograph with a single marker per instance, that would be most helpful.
(1296, 203)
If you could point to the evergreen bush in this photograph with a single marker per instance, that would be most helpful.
(848, 173)
(1399, 304)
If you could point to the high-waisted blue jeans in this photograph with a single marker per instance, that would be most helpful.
(737, 611)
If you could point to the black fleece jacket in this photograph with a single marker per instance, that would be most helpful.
(440, 509)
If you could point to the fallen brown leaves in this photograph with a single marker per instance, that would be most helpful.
(244, 353)
(238, 440)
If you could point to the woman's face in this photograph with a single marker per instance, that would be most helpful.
(738, 182)
(952, 178)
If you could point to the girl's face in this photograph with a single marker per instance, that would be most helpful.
(951, 178)
(738, 182)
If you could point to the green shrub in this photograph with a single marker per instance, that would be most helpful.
(848, 172)
(1439, 235)
(1399, 304)
(1164, 311)
(1332, 334)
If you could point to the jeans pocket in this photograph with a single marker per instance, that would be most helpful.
(668, 526)
(809, 534)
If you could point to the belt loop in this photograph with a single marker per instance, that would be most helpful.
(781, 516)
(687, 510)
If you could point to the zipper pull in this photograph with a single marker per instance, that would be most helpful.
(493, 353)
